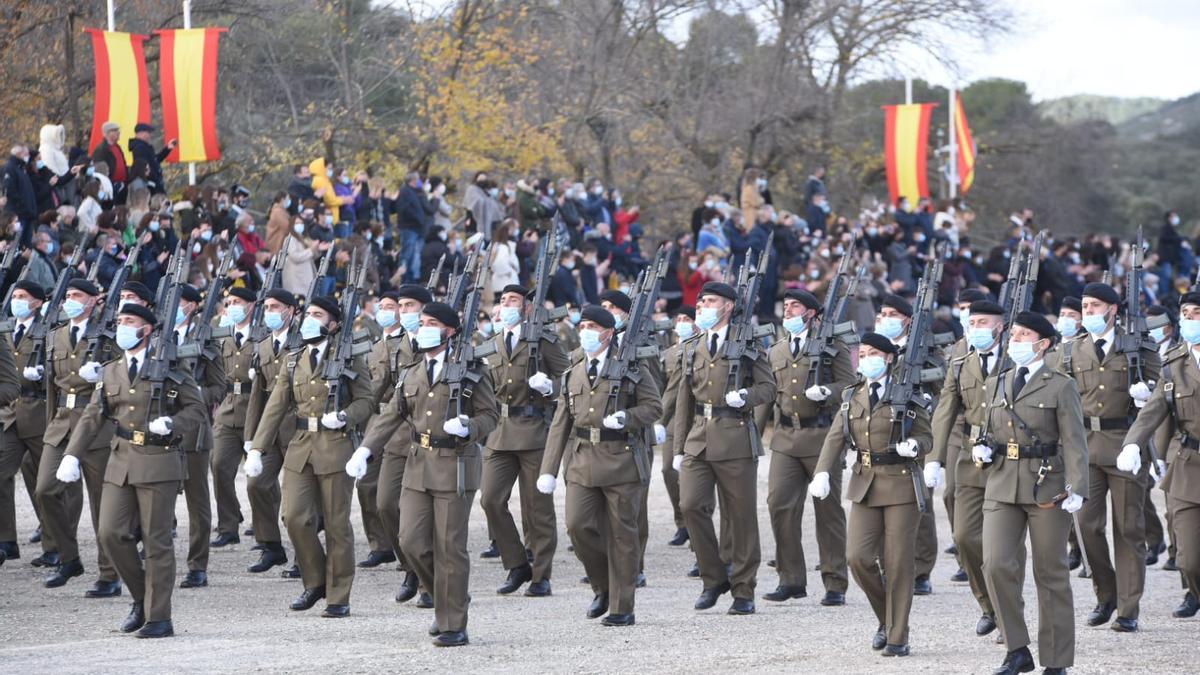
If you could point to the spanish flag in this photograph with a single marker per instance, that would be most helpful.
(906, 144)
(966, 148)
(122, 90)
(188, 79)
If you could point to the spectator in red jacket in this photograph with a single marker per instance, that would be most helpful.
(247, 237)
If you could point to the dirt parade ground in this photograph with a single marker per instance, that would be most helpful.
(241, 622)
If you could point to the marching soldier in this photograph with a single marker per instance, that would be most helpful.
(1036, 468)
(802, 420)
(964, 394)
(1171, 419)
(568, 328)
(604, 482)
(1070, 314)
(685, 327)
(10, 458)
(144, 470)
(237, 353)
(1112, 394)
(263, 465)
(717, 446)
(317, 454)
(884, 516)
(70, 388)
(1166, 338)
(443, 455)
(525, 394)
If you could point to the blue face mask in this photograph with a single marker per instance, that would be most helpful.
(890, 327)
(236, 313)
(707, 317)
(72, 308)
(298, 228)
(685, 329)
(127, 337)
(206, 235)
(274, 320)
(1095, 323)
(411, 321)
(154, 226)
(180, 316)
(872, 367)
(510, 316)
(1159, 334)
(794, 324)
(981, 338)
(287, 203)
(1067, 326)
(311, 329)
(429, 337)
(964, 319)
(1021, 352)
(620, 321)
(590, 340)
(386, 318)
(21, 309)
(1189, 330)
(485, 329)
(575, 316)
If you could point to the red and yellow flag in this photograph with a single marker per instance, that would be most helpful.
(966, 148)
(906, 145)
(122, 90)
(188, 79)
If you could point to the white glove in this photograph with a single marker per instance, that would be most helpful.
(615, 420)
(457, 426)
(677, 463)
(736, 399)
(933, 475)
(68, 469)
(247, 445)
(546, 484)
(357, 466)
(819, 487)
(254, 467)
(1072, 503)
(907, 448)
(33, 374)
(91, 371)
(332, 420)
(660, 434)
(849, 460)
(541, 383)
(1130, 459)
(817, 393)
(251, 374)
(161, 426)
(1140, 392)
(982, 454)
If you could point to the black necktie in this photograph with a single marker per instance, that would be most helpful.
(276, 343)
(712, 345)
(431, 364)
(133, 369)
(312, 358)
(983, 361)
(74, 336)
(1100, 350)
(1019, 382)
(237, 339)
(19, 334)
(593, 370)
(795, 346)
(508, 341)
(875, 393)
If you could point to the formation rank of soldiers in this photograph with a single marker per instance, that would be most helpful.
(1034, 424)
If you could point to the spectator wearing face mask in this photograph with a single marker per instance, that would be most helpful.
(505, 265)
(816, 215)
(322, 186)
(591, 270)
(18, 189)
(247, 234)
(712, 239)
(1169, 244)
(158, 243)
(279, 221)
(563, 289)
(751, 196)
(700, 213)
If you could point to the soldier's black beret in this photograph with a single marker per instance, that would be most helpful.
(1036, 323)
(599, 315)
(190, 293)
(394, 296)
(686, 310)
(879, 342)
(518, 289)
(622, 301)
(139, 289)
(721, 289)
(898, 303)
(242, 293)
(143, 313)
(415, 292)
(282, 295)
(328, 304)
(1101, 292)
(31, 288)
(1072, 303)
(803, 297)
(973, 295)
(442, 312)
(1192, 298)
(987, 307)
(82, 284)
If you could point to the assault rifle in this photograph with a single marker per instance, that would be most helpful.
(540, 318)
(104, 326)
(202, 332)
(1137, 333)
(341, 365)
(44, 321)
(435, 277)
(459, 371)
(164, 357)
(821, 347)
(273, 280)
(744, 339)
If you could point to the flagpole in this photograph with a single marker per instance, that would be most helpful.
(187, 24)
(112, 16)
(952, 156)
(908, 91)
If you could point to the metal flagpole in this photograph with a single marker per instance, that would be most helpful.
(112, 16)
(187, 24)
(908, 91)
(952, 155)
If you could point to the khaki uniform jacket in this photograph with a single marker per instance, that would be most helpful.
(10, 379)
(128, 405)
(269, 366)
(63, 382)
(28, 411)
(510, 375)
(720, 438)
(673, 368)
(212, 390)
(237, 364)
(871, 430)
(386, 359)
(791, 376)
(300, 394)
(963, 396)
(419, 409)
(584, 405)
(1049, 404)
(1156, 420)
(568, 335)
(1104, 388)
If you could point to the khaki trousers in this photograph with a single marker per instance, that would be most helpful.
(62, 503)
(501, 470)
(885, 536)
(199, 507)
(388, 493)
(150, 508)
(1186, 519)
(307, 495)
(787, 492)
(264, 494)
(968, 537)
(23, 455)
(602, 525)
(1123, 584)
(735, 483)
(226, 457)
(367, 490)
(433, 534)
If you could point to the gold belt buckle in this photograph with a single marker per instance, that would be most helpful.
(139, 438)
(708, 411)
(865, 458)
(314, 424)
(426, 441)
(70, 400)
(504, 410)
(1013, 451)
(594, 435)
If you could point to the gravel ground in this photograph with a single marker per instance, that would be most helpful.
(241, 621)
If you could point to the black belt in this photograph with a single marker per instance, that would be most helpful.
(73, 400)
(709, 411)
(428, 441)
(600, 435)
(1107, 423)
(869, 459)
(312, 424)
(818, 422)
(1189, 441)
(1015, 451)
(521, 410)
(143, 438)
(39, 394)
